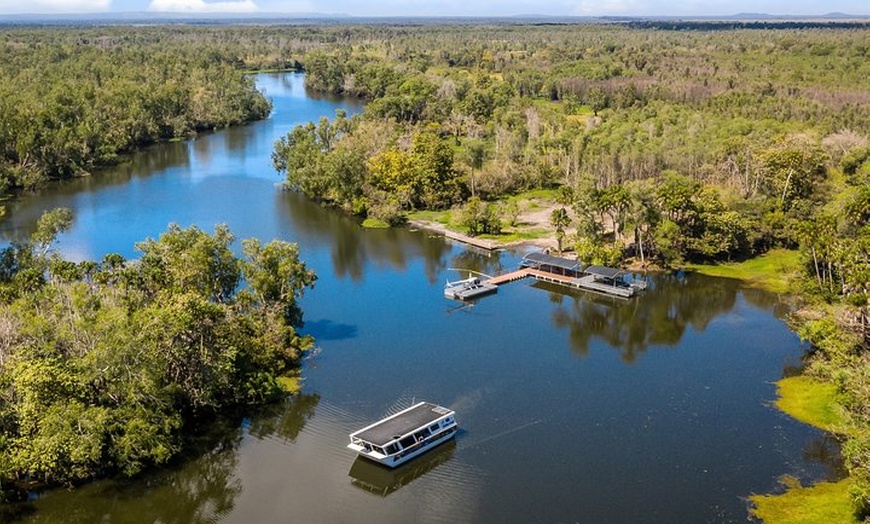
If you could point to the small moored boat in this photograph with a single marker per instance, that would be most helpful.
(468, 289)
(405, 435)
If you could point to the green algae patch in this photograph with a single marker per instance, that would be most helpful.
(826, 502)
(815, 403)
(771, 271)
(810, 401)
(374, 223)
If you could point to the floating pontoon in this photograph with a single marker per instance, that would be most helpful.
(468, 289)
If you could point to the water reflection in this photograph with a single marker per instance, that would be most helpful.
(691, 420)
(199, 492)
(826, 452)
(384, 481)
(353, 248)
(85, 194)
(486, 262)
(658, 317)
(201, 489)
(284, 420)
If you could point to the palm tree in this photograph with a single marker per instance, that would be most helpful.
(559, 219)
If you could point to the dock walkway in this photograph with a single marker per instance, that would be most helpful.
(587, 282)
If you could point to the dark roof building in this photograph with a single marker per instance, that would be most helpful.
(551, 264)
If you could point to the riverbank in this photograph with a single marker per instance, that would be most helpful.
(529, 227)
(818, 397)
(478, 242)
(819, 404)
(773, 271)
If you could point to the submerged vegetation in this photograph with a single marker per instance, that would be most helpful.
(810, 401)
(825, 502)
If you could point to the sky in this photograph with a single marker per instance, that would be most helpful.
(445, 7)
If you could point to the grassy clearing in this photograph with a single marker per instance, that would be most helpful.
(444, 218)
(771, 271)
(825, 502)
(509, 236)
(810, 401)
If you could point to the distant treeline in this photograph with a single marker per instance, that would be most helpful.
(731, 25)
(74, 100)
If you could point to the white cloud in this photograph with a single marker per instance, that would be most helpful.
(53, 6)
(609, 7)
(201, 6)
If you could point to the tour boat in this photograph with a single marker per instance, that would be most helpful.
(405, 435)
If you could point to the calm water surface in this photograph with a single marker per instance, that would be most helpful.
(573, 407)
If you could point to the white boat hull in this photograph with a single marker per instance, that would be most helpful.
(398, 459)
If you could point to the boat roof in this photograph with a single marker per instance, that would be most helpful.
(603, 271)
(402, 423)
(549, 260)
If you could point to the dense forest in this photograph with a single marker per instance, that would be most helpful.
(105, 366)
(70, 102)
(662, 144)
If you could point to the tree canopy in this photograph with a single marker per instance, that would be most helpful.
(103, 364)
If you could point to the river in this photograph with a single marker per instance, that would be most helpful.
(573, 407)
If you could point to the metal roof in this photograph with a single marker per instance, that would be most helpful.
(385, 431)
(540, 258)
(603, 271)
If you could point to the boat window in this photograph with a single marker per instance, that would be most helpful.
(380, 450)
(392, 448)
(407, 441)
(433, 428)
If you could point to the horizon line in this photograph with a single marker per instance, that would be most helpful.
(279, 14)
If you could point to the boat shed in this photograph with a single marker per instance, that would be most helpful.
(553, 265)
(604, 273)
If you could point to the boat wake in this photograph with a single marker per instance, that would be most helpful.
(502, 434)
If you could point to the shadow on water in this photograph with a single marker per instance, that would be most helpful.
(383, 481)
(199, 488)
(691, 419)
(326, 330)
(826, 452)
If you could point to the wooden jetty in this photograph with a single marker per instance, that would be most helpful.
(586, 282)
(571, 273)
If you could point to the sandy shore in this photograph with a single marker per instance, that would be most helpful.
(482, 243)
